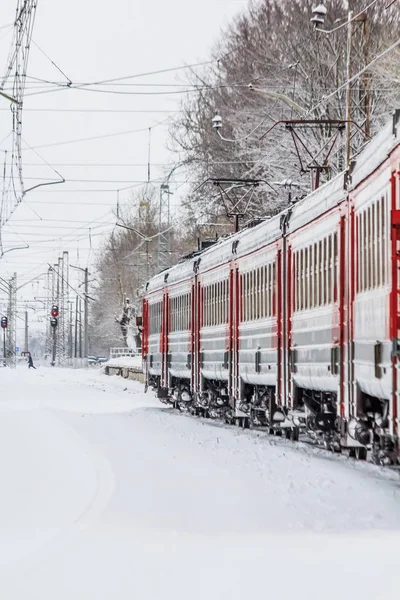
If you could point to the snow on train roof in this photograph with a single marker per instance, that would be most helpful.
(179, 272)
(318, 202)
(248, 239)
(377, 150)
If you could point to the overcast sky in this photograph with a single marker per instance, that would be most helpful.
(92, 40)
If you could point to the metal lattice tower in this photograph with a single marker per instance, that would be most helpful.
(12, 322)
(17, 67)
(50, 300)
(63, 319)
(164, 223)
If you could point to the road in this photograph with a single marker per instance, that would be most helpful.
(106, 494)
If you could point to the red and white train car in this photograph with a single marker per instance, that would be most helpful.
(294, 323)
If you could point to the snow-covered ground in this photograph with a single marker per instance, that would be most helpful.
(105, 494)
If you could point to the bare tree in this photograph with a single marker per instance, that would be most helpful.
(269, 66)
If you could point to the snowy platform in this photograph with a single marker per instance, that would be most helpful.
(126, 367)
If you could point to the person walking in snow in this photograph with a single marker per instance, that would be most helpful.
(30, 362)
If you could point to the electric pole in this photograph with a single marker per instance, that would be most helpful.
(26, 331)
(86, 347)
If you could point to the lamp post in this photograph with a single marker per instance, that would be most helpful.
(318, 19)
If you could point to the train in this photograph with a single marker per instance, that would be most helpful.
(292, 326)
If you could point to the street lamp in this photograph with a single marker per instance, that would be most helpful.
(318, 18)
(319, 14)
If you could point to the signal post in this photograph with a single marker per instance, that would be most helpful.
(4, 323)
(54, 323)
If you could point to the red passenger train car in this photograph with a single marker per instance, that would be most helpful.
(293, 325)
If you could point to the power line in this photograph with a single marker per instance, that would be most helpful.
(97, 110)
(96, 137)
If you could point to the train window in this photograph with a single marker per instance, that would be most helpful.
(205, 306)
(383, 240)
(296, 281)
(248, 297)
(256, 294)
(209, 319)
(320, 273)
(213, 304)
(251, 292)
(308, 276)
(378, 248)
(375, 245)
(224, 301)
(220, 302)
(335, 268)
(216, 315)
(265, 301)
(273, 290)
(301, 280)
(369, 246)
(155, 317)
(358, 234)
(244, 297)
(210, 305)
(269, 285)
(329, 270)
(305, 259)
(371, 228)
(366, 244)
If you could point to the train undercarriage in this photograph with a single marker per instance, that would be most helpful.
(313, 416)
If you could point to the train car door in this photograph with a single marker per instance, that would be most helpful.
(145, 338)
(234, 316)
(280, 318)
(164, 341)
(195, 335)
(346, 270)
(395, 300)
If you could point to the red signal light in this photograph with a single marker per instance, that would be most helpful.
(54, 311)
(4, 322)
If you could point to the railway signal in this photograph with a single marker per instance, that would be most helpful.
(53, 321)
(54, 311)
(4, 323)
